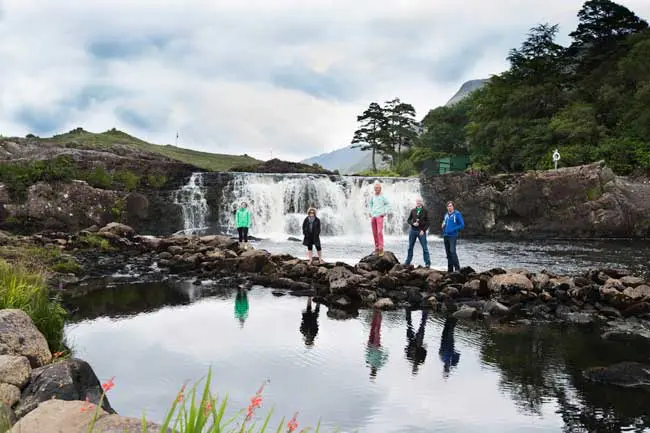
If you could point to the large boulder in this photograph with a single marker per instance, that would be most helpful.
(383, 263)
(510, 283)
(59, 416)
(19, 336)
(342, 280)
(121, 230)
(14, 370)
(72, 379)
(252, 260)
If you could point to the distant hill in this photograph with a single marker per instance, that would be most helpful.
(341, 159)
(467, 88)
(119, 142)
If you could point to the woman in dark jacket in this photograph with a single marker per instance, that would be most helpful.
(311, 231)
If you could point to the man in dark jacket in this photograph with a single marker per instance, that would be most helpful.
(419, 222)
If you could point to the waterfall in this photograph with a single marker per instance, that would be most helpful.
(191, 199)
(279, 203)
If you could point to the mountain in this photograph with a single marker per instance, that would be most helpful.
(467, 88)
(341, 159)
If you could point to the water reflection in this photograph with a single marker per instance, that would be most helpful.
(447, 352)
(241, 306)
(309, 323)
(511, 375)
(415, 349)
(376, 355)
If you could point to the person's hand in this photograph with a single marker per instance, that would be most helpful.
(421, 232)
(415, 224)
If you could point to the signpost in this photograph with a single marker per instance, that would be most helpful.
(556, 157)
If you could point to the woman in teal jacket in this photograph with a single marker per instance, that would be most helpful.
(243, 222)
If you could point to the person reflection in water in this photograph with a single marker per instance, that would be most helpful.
(241, 306)
(309, 323)
(376, 355)
(448, 354)
(415, 350)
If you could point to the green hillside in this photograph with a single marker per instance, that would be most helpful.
(119, 142)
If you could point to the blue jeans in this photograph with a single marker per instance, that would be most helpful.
(413, 235)
(452, 257)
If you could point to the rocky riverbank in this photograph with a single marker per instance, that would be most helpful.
(45, 392)
(611, 296)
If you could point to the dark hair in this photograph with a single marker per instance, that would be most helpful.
(452, 203)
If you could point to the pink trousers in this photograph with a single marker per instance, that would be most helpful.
(378, 231)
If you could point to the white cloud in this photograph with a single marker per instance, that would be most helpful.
(248, 76)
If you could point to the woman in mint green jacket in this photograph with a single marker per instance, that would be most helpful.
(243, 222)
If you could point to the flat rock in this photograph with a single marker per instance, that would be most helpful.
(638, 293)
(14, 370)
(631, 281)
(510, 282)
(19, 336)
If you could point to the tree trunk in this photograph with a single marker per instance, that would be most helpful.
(374, 165)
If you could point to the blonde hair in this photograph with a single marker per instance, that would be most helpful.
(311, 209)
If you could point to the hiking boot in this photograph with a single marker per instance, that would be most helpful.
(381, 252)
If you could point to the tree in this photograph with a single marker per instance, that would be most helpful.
(539, 56)
(369, 135)
(400, 130)
(601, 21)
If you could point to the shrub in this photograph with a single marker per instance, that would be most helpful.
(95, 241)
(156, 181)
(127, 180)
(24, 288)
(99, 178)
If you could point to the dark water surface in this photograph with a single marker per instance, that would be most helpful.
(377, 376)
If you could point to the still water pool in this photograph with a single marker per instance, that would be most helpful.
(373, 373)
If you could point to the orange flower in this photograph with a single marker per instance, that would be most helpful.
(57, 355)
(207, 408)
(107, 386)
(86, 406)
(256, 401)
(181, 394)
(292, 425)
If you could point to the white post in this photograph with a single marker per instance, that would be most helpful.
(556, 157)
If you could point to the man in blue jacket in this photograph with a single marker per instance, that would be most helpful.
(451, 225)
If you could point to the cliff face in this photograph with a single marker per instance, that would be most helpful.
(576, 202)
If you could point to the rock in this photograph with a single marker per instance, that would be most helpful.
(384, 304)
(19, 336)
(341, 279)
(631, 281)
(509, 283)
(630, 329)
(381, 263)
(470, 289)
(252, 260)
(614, 283)
(9, 394)
(121, 230)
(72, 379)
(338, 314)
(175, 250)
(387, 282)
(638, 293)
(466, 312)
(623, 374)
(14, 370)
(434, 280)
(59, 416)
(496, 308)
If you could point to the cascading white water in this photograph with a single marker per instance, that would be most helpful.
(279, 203)
(191, 198)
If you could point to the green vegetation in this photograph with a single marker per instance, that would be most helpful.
(113, 139)
(199, 411)
(95, 241)
(590, 100)
(17, 177)
(24, 288)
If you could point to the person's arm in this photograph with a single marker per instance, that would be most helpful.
(424, 226)
(317, 228)
(304, 227)
(461, 222)
(386, 206)
(409, 220)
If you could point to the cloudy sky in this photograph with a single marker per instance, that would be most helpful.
(249, 76)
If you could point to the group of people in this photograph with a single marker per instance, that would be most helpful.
(378, 209)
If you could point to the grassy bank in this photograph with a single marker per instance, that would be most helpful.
(23, 286)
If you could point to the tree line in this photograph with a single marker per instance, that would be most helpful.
(590, 100)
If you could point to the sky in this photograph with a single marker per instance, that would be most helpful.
(281, 78)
